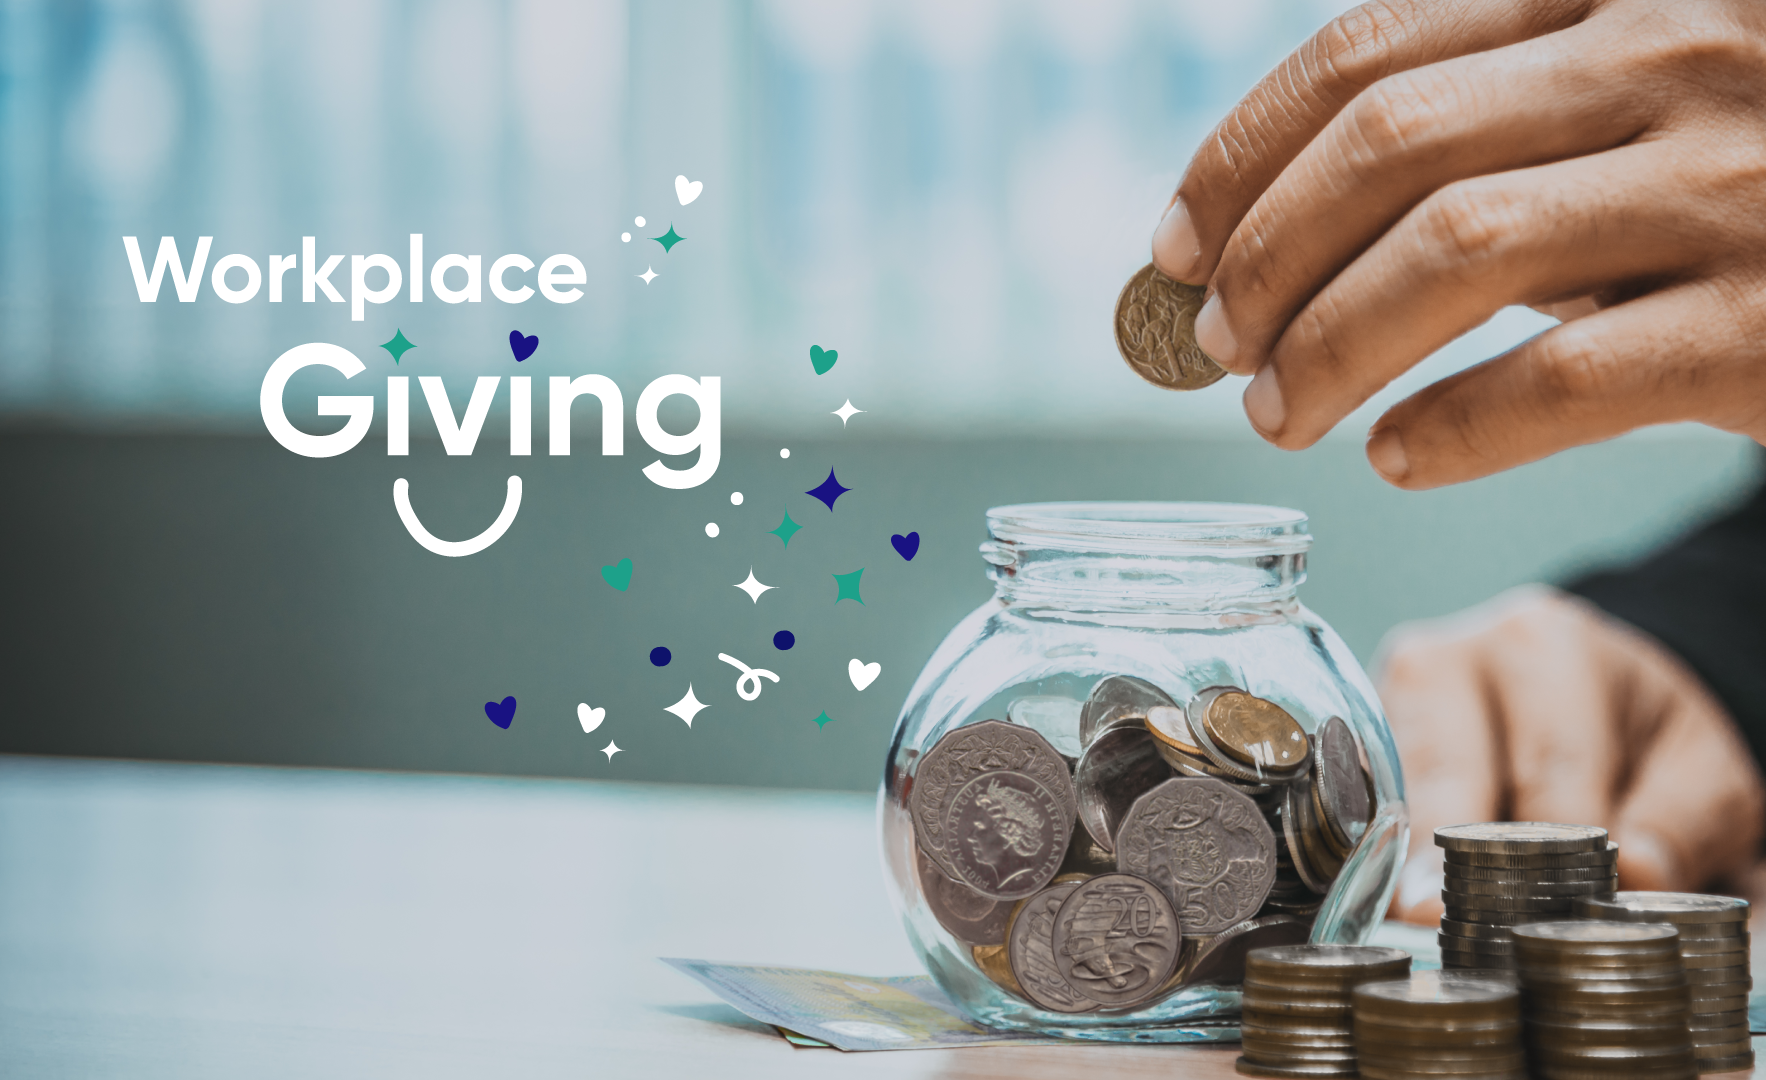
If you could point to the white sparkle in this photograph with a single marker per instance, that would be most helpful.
(785, 452)
(625, 237)
(735, 498)
(753, 587)
(846, 412)
(649, 275)
(638, 221)
(610, 749)
(711, 528)
(686, 708)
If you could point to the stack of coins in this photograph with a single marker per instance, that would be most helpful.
(1604, 1000)
(1298, 1016)
(1440, 1024)
(1714, 948)
(1220, 810)
(1502, 874)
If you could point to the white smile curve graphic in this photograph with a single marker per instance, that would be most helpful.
(401, 498)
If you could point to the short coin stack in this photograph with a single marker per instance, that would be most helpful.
(1440, 1024)
(1604, 1000)
(1501, 874)
(1714, 948)
(1297, 1010)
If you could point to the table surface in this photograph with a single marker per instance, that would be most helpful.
(190, 921)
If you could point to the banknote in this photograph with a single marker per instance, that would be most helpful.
(848, 1012)
(858, 1012)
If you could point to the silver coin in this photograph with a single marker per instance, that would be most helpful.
(1030, 952)
(1341, 784)
(1116, 940)
(1521, 838)
(1206, 845)
(1119, 766)
(1117, 699)
(1007, 839)
(1222, 959)
(970, 917)
(1668, 907)
(1054, 718)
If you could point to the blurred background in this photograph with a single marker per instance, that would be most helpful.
(948, 194)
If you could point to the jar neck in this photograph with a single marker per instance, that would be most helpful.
(1148, 560)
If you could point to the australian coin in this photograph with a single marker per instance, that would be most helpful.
(989, 801)
(1116, 939)
(1316, 881)
(1206, 846)
(1171, 726)
(1608, 856)
(967, 914)
(991, 959)
(1245, 734)
(1222, 959)
(1521, 838)
(1118, 699)
(1030, 952)
(1341, 785)
(1054, 718)
(1455, 872)
(1668, 907)
(1119, 766)
(1156, 332)
(1086, 858)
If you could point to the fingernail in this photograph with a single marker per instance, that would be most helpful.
(1214, 335)
(1385, 452)
(1176, 250)
(1263, 402)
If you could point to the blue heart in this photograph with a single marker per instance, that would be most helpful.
(522, 347)
(906, 546)
(502, 713)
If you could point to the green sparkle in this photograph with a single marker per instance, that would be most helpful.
(398, 346)
(849, 586)
(669, 239)
(824, 720)
(786, 529)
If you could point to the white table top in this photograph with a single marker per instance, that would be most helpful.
(192, 921)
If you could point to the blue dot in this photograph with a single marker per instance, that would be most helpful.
(660, 656)
(783, 640)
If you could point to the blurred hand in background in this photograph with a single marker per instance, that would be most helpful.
(1420, 164)
(1537, 706)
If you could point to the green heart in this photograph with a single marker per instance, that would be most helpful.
(619, 575)
(822, 359)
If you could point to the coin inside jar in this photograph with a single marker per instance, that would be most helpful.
(1116, 939)
(1206, 846)
(1339, 782)
(1254, 732)
(1170, 726)
(1156, 331)
(968, 915)
(1115, 700)
(1030, 952)
(1116, 769)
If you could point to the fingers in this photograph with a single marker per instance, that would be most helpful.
(1405, 137)
(1685, 353)
(1693, 811)
(1468, 251)
(1283, 113)
(1433, 688)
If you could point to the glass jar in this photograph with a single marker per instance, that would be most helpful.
(1140, 759)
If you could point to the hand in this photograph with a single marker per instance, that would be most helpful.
(1420, 164)
(1536, 706)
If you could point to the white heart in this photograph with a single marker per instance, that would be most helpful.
(863, 675)
(686, 190)
(590, 718)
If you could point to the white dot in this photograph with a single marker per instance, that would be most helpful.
(785, 453)
(625, 237)
(735, 498)
(639, 222)
(711, 528)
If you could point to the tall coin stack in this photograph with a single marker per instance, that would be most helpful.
(1457, 1024)
(1503, 873)
(1714, 948)
(1604, 1000)
(1297, 1006)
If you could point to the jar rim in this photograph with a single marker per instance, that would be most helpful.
(1097, 525)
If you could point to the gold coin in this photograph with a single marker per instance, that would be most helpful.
(1156, 332)
(1256, 732)
(991, 959)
